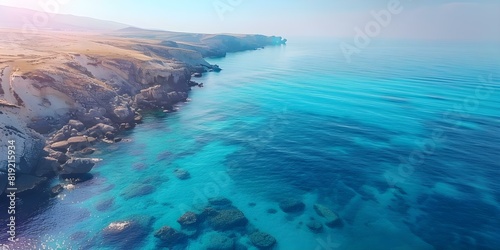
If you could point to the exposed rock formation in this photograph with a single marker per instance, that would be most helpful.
(56, 190)
(78, 166)
(159, 96)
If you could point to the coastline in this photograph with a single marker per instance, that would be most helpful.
(155, 77)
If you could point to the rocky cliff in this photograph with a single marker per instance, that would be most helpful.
(60, 93)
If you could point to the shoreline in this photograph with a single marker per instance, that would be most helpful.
(132, 85)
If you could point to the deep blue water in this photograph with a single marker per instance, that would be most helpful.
(403, 143)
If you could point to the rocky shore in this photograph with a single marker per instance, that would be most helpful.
(60, 94)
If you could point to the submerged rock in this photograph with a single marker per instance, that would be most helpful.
(272, 211)
(139, 166)
(315, 226)
(262, 240)
(182, 174)
(189, 219)
(220, 201)
(219, 241)
(164, 156)
(78, 236)
(292, 206)
(208, 212)
(332, 219)
(228, 219)
(105, 204)
(128, 233)
(137, 190)
(170, 237)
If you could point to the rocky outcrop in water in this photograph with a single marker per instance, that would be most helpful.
(78, 166)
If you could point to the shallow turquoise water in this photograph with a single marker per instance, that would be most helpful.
(298, 121)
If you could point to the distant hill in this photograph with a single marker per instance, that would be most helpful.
(207, 44)
(18, 18)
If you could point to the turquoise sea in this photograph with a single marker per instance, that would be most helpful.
(403, 143)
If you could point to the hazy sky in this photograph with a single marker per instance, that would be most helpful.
(429, 19)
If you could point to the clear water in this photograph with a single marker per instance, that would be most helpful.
(298, 121)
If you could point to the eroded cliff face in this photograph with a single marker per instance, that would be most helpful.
(32, 166)
(76, 91)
